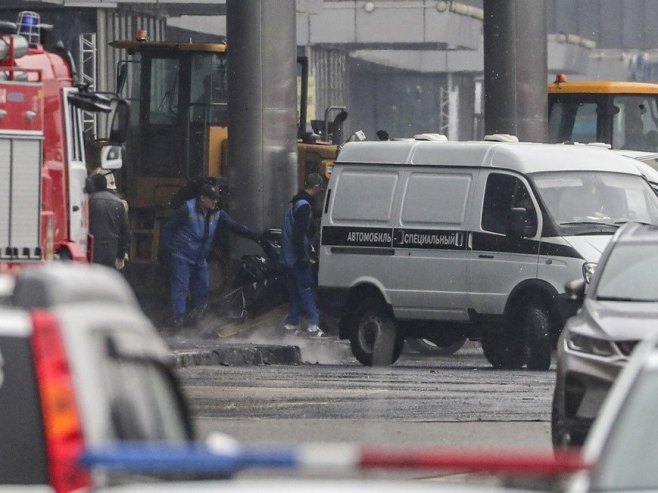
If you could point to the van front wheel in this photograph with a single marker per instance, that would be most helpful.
(374, 339)
(537, 331)
(503, 347)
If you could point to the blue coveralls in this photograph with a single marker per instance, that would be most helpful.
(295, 253)
(191, 236)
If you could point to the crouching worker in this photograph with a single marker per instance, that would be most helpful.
(190, 237)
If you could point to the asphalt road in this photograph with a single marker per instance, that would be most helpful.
(457, 400)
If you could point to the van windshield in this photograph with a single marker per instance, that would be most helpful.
(584, 202)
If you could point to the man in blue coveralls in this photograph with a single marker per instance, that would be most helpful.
(191, 234)
(296, 259)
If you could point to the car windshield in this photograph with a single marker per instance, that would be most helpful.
(582, 202)
(636, 431)
(630, 274)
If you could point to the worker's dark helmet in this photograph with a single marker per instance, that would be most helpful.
(207, 190)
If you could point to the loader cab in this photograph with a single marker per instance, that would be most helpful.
(179, 122)
(621, 114)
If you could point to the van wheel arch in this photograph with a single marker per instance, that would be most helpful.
(541, 292)
(533, 308)
(357, 295)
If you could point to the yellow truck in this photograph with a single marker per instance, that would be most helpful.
(622, 114)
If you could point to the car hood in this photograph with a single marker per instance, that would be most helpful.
(619, 321)
(589, 247)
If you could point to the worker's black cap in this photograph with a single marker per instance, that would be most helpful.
(98, 182)
(209, 191)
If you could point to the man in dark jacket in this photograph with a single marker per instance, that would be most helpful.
(108, 224)
(190, 237)
(295, 258)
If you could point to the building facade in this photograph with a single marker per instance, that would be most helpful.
(406, 66)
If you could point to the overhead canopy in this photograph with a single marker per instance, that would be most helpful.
(168, 8)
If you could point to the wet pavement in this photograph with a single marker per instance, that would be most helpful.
(254, 341)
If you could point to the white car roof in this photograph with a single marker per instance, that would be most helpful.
(522, 157)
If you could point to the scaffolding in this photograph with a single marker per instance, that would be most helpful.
(87, 64)
(444, 106)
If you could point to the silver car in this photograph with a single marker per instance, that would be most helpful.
(619, 309)
(80, 366)
(621, 447)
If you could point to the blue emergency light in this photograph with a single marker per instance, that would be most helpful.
(29, 25)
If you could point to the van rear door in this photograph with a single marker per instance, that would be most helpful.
(357, 228)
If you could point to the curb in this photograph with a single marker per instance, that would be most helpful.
(238, 355)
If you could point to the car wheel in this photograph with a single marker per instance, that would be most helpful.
(537, 331)
(503, 347)
(374, 339)
(427, 347)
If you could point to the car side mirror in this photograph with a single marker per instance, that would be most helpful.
(575, 290)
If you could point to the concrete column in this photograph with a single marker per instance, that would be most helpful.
(515, 69)
(262, 152)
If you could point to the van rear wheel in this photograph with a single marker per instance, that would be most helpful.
(503, 347)
(374, 339)
(537, 331)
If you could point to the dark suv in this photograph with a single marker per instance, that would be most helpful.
(80, 365)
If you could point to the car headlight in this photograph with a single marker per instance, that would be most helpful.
(589, 345)
(588, 271)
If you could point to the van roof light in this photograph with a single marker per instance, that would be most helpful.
(559, 78)
(431, 136)
(501, 138)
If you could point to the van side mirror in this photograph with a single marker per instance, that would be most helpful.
(518, 223)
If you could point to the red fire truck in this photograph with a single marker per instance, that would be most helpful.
(43, 170)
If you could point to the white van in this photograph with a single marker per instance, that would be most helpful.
(446, 240)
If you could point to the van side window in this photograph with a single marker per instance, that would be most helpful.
(502, 193)
(364, 196)
(428, 195)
